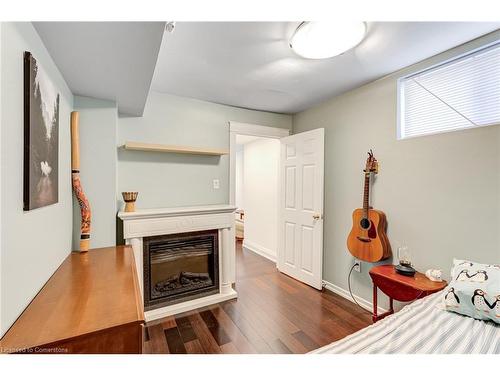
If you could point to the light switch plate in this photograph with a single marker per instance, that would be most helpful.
(216, 184)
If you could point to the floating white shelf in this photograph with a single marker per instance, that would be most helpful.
(153, 147)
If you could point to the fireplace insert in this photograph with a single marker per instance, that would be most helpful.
(180, 267)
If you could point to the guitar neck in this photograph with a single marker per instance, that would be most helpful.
(366, 195)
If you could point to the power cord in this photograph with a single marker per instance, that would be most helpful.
(349, 285)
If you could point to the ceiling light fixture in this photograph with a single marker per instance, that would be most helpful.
(321, 40)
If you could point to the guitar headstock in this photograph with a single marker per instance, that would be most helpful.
(371, 163)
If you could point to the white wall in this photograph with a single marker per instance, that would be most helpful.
(440, 193)
(167, 180)
(98, 164)
(260, 194)
(33, 243)
(238, 177)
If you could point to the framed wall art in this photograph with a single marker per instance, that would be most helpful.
(41, 136)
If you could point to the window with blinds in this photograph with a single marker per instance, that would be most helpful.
(459, 94)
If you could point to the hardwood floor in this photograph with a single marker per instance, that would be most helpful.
(273, 314)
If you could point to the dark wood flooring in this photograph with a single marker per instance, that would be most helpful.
(273, 314)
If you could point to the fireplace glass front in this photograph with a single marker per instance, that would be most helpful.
(180, 267)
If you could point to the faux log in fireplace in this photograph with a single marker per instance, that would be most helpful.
(180, 267)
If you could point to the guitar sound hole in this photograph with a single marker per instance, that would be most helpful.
(364, 223)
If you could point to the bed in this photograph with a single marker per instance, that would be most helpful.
(421, 327)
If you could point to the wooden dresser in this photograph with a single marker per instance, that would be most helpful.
(91, 304)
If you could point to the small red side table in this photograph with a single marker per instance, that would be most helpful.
(400, 288)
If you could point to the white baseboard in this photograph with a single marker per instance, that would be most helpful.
(260, 250)
(345, 293)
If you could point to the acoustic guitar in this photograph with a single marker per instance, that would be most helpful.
(368, 239)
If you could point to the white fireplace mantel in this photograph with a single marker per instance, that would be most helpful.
(161, 221)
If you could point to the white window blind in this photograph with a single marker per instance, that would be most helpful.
(459, 94)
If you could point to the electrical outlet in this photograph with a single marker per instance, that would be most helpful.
(216, 184)
(357, 266)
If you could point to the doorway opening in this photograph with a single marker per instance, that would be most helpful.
(276, 181)
(257, 194)
(254, 186)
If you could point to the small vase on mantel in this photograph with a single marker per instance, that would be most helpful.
(130, 197)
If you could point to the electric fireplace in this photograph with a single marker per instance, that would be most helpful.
(184, 256)
(180, 267)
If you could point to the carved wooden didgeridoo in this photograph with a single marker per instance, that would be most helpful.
(77, 186)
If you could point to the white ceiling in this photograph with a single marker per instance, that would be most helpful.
(250, 65)
(106, 60)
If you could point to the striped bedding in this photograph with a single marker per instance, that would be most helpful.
(421, 327)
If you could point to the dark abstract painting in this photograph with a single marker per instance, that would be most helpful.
(41, 136)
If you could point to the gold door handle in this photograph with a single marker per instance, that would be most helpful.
(316, 216)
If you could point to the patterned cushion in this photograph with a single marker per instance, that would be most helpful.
(474, 290)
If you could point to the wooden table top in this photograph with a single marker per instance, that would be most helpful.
(89, 292)
(418, 281)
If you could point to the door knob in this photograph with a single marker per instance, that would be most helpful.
(316, 216)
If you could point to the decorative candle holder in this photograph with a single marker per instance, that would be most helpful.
(404, 267)
(130, 197)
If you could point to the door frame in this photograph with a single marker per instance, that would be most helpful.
(241, 128)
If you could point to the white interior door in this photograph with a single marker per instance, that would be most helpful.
(300, 242)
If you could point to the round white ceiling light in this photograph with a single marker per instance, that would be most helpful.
(321, 40)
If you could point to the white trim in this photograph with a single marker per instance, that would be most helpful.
(2, 327)
(241, 128)
(145, 227)
(153, 222)
(259, 250)
(345, 293)
(176, 211)
(189, 305)
(257, 130)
